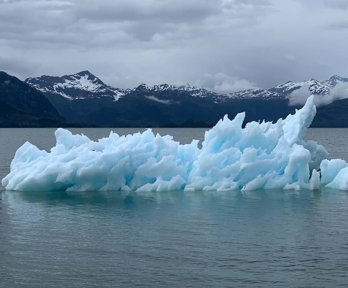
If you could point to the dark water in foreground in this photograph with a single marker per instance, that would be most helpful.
(254, 239)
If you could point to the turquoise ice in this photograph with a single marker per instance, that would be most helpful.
(231, 157)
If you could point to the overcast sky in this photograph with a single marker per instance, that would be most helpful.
(217, 44)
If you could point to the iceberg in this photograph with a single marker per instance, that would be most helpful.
(261, 155)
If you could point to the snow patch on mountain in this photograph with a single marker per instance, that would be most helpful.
(254, 94)
(81, 85)
(165, 89)
(81, 82)
(289, 86)
(154, 98)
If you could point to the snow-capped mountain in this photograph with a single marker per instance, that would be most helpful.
(195, 91)
(335, 80)
(84, 98)
(82, 85)
(312, 86)
(85, 85)
(172, 93)
(282, 91)
(254, 94)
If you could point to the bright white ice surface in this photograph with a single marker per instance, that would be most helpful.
(259, 156)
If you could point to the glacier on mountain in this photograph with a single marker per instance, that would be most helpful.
(258, 156)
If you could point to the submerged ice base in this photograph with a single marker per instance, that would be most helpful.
(260, 156)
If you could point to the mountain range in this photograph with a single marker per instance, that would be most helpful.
(83, 99)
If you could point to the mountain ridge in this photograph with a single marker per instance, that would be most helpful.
(176, 106)
(85, 99)
(23, 106)
(84, 85)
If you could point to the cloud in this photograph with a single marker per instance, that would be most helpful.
(73, 22)
(18, 66)
(340, 91)
(224, 84)
(337, 4)
(299, 96)
(324, 4)
(177, 41)
(342, 25)
(140, 10)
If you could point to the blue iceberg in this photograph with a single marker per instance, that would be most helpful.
(232, 157)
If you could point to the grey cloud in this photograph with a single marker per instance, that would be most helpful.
(76, 21)
(262, 42)
(137, 10)
(145, 19)
(247, 8)
(338, 26)
(18, 66)
(223, 83)
(338, 4)
(331, 4)
(31, 21)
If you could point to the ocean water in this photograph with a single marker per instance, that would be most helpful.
(176, 239)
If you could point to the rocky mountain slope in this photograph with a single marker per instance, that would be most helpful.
(23, 106)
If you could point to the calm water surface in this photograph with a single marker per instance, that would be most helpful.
(254, 239)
